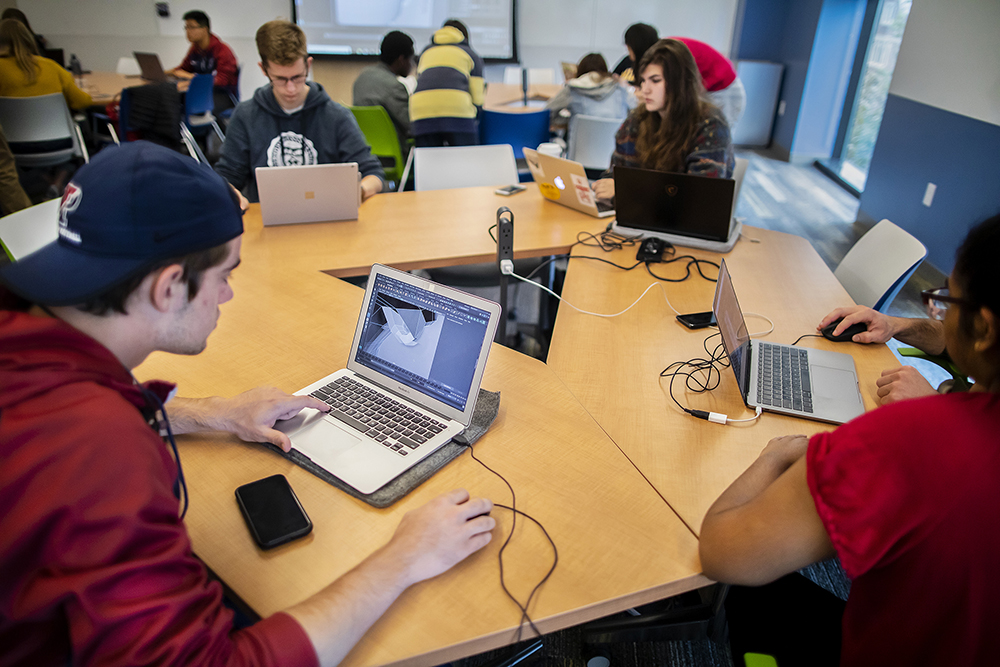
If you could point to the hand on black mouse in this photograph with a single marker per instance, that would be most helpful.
(844, 336)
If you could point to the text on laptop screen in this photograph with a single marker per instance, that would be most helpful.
(423, 340)
(732, 325)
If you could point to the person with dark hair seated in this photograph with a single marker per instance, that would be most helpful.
(592, 92)
(906, 496)
(208, 55)
(13, 13)
(379, 85)
(638, 38)
(96, 558)
(676, 128)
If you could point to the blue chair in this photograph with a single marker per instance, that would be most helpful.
(198, 104)
(234, 95)
(517, 129)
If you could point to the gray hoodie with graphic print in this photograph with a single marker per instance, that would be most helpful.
(261, 134)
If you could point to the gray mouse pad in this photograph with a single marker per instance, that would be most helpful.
(487, 408)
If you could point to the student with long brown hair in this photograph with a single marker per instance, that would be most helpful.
(677, 129)
(24, 73)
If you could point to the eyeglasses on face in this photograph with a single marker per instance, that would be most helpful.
(297, 80)
(938, 300)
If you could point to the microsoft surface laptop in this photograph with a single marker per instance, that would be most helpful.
(411, 382)
(565, 182)
(814, 384)
(149, 65)
(308, 193)
(655, 203)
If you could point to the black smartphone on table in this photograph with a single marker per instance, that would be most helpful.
(509, 190)
(697, 320)
(272, 511)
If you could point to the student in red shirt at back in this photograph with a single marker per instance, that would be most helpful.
(208, 55)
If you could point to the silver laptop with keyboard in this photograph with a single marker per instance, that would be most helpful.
(411, 382)
(814, 384)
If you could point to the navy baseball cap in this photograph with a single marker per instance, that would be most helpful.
(132, 206)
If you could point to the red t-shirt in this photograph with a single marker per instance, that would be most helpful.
(716, 70)
(910, 496)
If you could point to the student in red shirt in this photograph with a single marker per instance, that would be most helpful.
(96, 562)
(906, 496)
(208, 55)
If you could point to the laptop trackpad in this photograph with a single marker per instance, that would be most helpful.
(832, 383)
(323, 442)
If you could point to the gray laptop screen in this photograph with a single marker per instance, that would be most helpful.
(423, 340)
(735, 337)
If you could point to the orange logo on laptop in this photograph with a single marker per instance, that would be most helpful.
(671, 190)
(310, 194)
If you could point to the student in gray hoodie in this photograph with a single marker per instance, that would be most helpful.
(291, 121)
(593, 92)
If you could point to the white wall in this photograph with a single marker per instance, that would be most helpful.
(550, 31)
(950, 57)
(101, 31)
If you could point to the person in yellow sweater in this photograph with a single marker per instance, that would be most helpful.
(24, 73)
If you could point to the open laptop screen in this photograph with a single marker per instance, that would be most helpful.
(421, 339)
(733, 327)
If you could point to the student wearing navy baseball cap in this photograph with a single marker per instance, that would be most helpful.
(95, 556)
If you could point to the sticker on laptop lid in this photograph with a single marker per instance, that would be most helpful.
(579, 181)
(548, 190)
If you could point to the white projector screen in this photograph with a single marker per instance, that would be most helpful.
(356, 27)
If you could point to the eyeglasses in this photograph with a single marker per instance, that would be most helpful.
(283, 81)
(938, 300)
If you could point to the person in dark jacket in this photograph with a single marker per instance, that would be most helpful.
(379, 85)
(292, 121)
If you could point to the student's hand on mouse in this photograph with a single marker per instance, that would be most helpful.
(902, 384)
(604, 189)
(880, 327)
(252, 414)
(435, 537)
(786, 449)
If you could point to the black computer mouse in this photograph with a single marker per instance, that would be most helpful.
(846, 335)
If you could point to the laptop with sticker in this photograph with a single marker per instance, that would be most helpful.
(565, 182)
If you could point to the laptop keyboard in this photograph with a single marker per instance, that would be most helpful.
(783, 378)
(395, 425)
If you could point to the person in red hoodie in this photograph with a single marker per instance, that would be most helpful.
(96, 562)
(208, 55)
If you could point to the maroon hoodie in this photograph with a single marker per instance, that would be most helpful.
(96, 563)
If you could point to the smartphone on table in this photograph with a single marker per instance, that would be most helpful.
(273, 513)
(697, 320)
(508, 190)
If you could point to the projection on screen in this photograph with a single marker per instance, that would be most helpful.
(356, 27)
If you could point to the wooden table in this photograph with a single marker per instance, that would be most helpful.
(104, 86)
(619, 544)
(510, 96)
(416, 230)
(612, 365)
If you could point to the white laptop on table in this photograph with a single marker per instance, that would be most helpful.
(796, 381)
(308, 193)
(565, 182)
(411, 382)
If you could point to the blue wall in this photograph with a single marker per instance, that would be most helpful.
(918, 144)
(762, 30)
(830, 68)
(801, 20)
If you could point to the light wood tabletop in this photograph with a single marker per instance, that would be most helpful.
(418, 230)
(510, 96)
(612, 365)
(619, 544)
(104, 86)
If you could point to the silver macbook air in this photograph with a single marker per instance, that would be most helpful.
(309, 193)
(796, 381)
(565, 182)
(411, 382)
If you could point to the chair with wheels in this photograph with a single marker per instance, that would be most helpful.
(517, 129)
(879, 264)
(592, 141)
(27, 230)
(40, 130)
(381, 135)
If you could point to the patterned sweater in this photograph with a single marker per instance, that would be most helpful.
(711, 150)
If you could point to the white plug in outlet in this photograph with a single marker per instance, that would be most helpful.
(929, 194)
(781, 108)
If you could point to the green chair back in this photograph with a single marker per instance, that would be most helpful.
(381, 136)
(759, 660)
